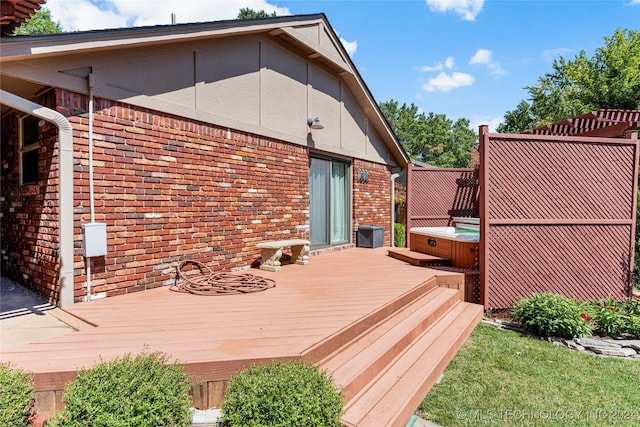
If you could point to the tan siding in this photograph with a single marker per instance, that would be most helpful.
(138, 76)
(353, 125)
(247, 83)
(220, 80)
(325, 104)
(283, 91)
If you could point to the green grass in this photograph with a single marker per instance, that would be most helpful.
(500, 378)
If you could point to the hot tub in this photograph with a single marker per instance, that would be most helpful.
(459, 243)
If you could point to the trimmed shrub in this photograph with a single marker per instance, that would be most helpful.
(141, 391)
(550, 315)
(292, 394)
(398, 235)
(16, 397)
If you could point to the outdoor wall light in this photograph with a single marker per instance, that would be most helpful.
(315, 123)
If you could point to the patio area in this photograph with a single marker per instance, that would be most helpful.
(314, 312)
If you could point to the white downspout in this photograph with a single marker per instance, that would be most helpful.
(393, 208)
(65, 186)
(92, 210)
(91, 192)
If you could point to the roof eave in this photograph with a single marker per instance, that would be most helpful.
(31, 47)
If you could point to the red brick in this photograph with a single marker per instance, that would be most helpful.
(159, 211)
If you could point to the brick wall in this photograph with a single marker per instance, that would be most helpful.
(170, 189)
(475, 156)
(29, 222)
(372, 199)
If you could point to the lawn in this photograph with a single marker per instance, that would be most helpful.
(501, 378)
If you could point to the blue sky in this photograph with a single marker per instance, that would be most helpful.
(463, 58)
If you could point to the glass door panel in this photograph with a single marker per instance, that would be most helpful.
(318, 195)
(339, 203)
(329, 202)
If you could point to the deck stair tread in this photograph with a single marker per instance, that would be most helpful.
(417, 258)
(394, 393)
(378, 346)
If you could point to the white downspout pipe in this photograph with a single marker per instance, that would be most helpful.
(65, 186)
(92, 209)
(393, 208)
(91, 192)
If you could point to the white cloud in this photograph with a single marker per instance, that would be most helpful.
(484, 57)
(467, 9)
(350, 47)
(497, 70)
(633, 3)
(448, 64)
(80, 15)
(493, 123)
(444, 82)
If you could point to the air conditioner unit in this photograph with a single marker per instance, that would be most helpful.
(370, 236)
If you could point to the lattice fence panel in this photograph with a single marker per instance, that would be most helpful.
(437, 195)
(531, 179)
(558, 217)
(582, 262)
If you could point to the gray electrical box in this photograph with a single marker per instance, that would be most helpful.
(94, 238)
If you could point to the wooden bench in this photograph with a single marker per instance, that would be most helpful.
(272, 251)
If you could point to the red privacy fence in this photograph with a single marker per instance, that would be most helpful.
(435, 195)
(557, 214)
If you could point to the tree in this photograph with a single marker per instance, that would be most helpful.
(608, 80)
(517, 120)
(432, 138)
(39, 23)
(248, 13)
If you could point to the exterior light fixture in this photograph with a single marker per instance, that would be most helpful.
(315, 123)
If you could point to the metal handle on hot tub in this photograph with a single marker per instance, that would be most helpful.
(432, 242)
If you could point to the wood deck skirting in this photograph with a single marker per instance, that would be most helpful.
(312, 312)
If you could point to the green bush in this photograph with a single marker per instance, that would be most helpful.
(632, 305)
(282, 394)
(552, 315)
(16, 397)
(398, 235)
(633, 327)
(615, 319)
(141, 391)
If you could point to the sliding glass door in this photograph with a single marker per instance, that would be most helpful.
(329, 201)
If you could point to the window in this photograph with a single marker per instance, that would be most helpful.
(29, 153)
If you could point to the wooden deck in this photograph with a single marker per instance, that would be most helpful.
(317, 312)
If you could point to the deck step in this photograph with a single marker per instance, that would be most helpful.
(417, 258)
(395, 392)
(359, 361)
(325, 348)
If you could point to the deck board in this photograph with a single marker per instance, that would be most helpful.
(309, 304)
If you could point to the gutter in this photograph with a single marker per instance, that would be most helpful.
(65, 186)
